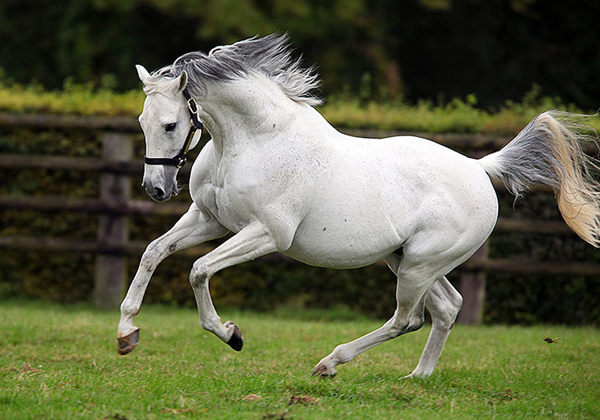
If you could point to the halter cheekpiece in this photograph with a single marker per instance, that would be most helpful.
(180, 158)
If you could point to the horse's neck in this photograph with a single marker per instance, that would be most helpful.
(243, 113)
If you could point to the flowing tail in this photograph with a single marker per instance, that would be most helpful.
(549, 152)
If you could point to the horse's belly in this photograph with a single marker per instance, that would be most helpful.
(342, 257)
(340, 242)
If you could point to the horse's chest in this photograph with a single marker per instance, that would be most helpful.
(247, 189)
(229, 205)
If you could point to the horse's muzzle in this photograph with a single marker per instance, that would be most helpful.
(160, 194)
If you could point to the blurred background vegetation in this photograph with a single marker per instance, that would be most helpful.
(381, 49)
(466, 66)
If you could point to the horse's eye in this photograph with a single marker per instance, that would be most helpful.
(170, 127)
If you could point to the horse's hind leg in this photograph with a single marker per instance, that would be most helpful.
(443, 303)
(409, 316)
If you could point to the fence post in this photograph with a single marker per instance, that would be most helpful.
(113, 229)
(471, 286)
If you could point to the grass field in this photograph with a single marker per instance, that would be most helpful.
(61, 362)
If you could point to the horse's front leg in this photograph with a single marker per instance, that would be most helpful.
(194, 227)
(251, 242)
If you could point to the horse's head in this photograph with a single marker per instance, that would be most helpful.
(165, 121)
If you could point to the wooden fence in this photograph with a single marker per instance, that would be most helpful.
(113, 247)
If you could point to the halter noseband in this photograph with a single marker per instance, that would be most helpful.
(180, 158)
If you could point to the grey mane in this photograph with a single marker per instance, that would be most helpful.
(270, 56)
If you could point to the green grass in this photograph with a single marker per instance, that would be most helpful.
(61, 362)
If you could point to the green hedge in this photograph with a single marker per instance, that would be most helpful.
(456, 115)
(533, 298)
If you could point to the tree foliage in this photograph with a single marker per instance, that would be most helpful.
(378, 49)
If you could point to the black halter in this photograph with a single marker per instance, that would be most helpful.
(181, 157)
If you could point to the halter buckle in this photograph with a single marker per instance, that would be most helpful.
(192, 106)
(181, 160)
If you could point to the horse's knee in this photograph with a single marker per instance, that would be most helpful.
(199, 275)
(151, 255)
(146, 262)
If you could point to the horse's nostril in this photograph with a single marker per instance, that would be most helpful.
(159, 193)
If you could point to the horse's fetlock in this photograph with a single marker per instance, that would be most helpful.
(339, 355)
(208, 324)
(128, 309)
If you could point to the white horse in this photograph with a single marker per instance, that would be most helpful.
(280, 178)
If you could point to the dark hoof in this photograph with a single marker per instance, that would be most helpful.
(236, 341)
(128, 343)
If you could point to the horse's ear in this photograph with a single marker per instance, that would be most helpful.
(177, 84)
(183, 80)
(142, 73)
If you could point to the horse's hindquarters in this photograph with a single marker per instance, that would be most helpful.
(405, 192)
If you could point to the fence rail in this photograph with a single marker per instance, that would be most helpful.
(112, 246)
